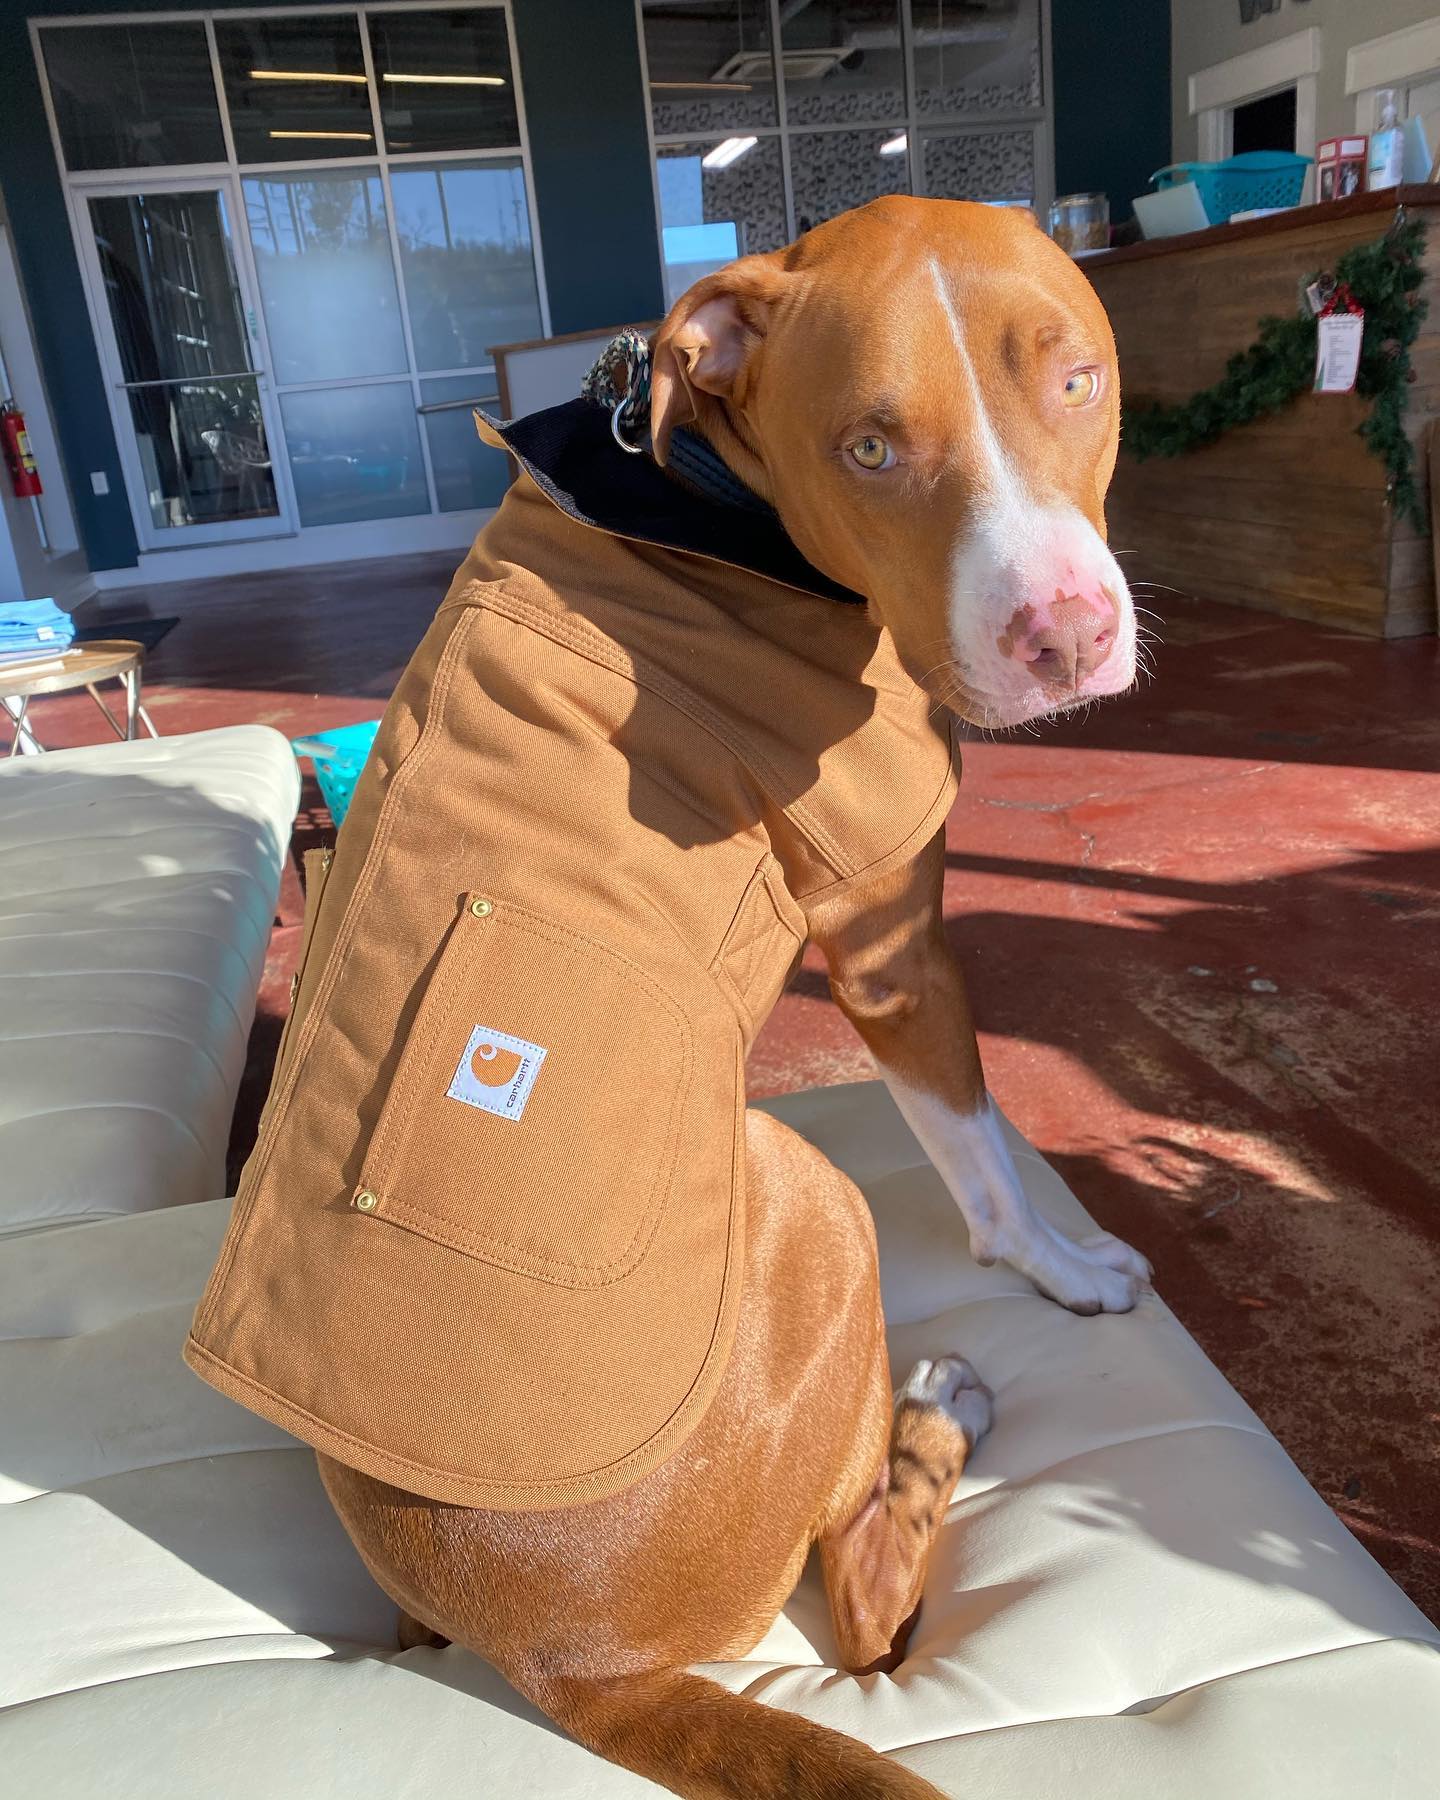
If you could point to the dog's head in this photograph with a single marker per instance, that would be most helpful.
(926, 390)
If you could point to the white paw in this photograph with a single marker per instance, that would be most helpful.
(1069, 1276)
(950, 1383)
(972, 1155)
(1115, 1253)
(1099, 1274)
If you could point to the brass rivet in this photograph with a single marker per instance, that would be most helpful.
(365, 1201)
(482, 909)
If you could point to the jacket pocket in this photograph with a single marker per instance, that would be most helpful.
(534, 1113)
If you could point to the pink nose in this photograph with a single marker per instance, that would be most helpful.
(1063, 652)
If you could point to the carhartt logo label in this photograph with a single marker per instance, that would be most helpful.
(496, 1073)
(494, 1067)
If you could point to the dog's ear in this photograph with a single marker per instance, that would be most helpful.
(708, 342)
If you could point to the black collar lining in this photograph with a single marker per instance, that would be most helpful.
(703, 508)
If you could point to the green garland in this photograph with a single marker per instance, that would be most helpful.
(1280, 365)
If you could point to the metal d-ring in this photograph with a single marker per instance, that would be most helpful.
(618, 434)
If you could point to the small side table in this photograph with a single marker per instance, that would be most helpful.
(112, 659)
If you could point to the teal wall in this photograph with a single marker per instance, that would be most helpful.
(1110, 62)
(590, 158)
(585, 111)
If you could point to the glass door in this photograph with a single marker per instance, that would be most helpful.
(181, 343)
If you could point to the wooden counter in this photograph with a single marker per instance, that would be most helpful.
(1289, 514)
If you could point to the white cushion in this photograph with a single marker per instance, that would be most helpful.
(1135, 1595)
(137, 890)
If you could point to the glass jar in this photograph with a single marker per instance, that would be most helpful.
(1080, 222)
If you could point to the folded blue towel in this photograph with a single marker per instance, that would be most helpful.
(38, 622)
(31, 630)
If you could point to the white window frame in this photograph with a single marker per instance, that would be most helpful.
(1399, 59)
(79, 184)
(1035, 120)
(1216, 91)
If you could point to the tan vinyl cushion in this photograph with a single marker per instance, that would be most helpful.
(1136, 1594)
(137, 891)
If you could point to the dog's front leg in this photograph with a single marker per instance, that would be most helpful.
(894, 976)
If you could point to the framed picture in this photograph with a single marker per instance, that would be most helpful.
(1340, 167)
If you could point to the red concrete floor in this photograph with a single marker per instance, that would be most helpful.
(1201, 931)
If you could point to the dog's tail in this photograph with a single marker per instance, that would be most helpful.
(703, 1742)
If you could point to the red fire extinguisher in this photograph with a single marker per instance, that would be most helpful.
(19, 458)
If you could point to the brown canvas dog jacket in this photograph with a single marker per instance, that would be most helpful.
(490, 1242)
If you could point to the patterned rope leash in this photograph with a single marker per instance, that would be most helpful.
(619, 380)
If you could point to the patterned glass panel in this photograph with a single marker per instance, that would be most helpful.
(832, 171)
(980, 165)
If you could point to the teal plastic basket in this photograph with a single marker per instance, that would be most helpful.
(1254, 178)
(338, 756)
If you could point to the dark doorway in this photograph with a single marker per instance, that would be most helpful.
(1266, 124)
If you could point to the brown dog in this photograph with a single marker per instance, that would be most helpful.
(926, 392)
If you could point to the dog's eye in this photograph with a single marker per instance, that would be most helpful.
(872, 452)
(1081, 387)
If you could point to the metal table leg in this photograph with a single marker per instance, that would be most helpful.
(110, 718)
(24, 742)
(141, 713)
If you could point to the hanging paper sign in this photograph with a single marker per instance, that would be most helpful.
(1339, 332)
(1337, 354)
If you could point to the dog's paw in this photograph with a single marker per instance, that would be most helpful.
(1115, 1253)
(1086, 1287)
(1099, 1274)
(951, 1384)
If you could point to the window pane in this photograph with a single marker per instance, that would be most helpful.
(969, 60)
(710, 66)
(980, 165)
(469, 267)
(467, 472)
(327, 279)
(835, 170)
(296, 88)
(170, 284)
(843, 62)
(134, 96)
(709, 216)
(445, 80)
(203, 452)
(355, 453)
